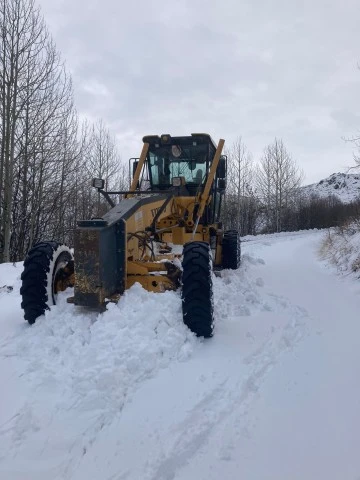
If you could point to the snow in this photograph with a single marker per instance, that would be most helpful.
(132, 394)
(340, 247)
(344, 186)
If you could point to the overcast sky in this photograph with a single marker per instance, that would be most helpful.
(252, 68)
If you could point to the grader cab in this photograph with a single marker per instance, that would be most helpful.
(165, 233)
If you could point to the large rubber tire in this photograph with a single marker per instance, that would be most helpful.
(197, 296)
(231, 250)
(41, 265)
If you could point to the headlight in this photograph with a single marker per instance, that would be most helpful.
(165, 139)
(98, 183)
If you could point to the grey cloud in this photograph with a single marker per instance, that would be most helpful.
(345, 118)
(259, 69)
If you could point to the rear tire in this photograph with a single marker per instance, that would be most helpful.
(197, 296)
(231, 250)
(41, 266)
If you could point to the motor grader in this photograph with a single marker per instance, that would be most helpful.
(165, 233)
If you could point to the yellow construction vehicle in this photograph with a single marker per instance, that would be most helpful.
(165, 234)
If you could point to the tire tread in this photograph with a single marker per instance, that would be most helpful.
(231, 250)
(197, 304)
(34, 280)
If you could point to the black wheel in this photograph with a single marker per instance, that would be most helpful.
(231, 250)
(197, 298)
(48, 269)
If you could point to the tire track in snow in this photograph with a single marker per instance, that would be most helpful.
(80, 372)
(231, 394)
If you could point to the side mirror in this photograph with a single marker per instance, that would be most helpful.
(134, 167)
(221, 168)
(221, 185)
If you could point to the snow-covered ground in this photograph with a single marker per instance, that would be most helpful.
(131, 394)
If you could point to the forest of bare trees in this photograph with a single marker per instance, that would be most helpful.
(266, 197)
(47, 158)
(260, 197)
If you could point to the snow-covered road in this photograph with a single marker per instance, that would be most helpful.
(131, 394)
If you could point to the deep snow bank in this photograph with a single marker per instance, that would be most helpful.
(341, 247)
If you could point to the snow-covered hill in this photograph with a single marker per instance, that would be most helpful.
(345, 186)
(131, 394)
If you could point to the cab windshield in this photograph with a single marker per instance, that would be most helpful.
(169, 161)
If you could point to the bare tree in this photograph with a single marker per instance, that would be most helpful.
(36, 96)
(103, 162)
(240, 203)
(277, 181)
(47, 159)
(20, 32)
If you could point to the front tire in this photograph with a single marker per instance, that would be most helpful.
(197, 295)
(48, 269)
(231, 250)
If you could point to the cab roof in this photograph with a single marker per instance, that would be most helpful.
(166, 139)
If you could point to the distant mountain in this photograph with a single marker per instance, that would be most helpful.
(345, 186)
